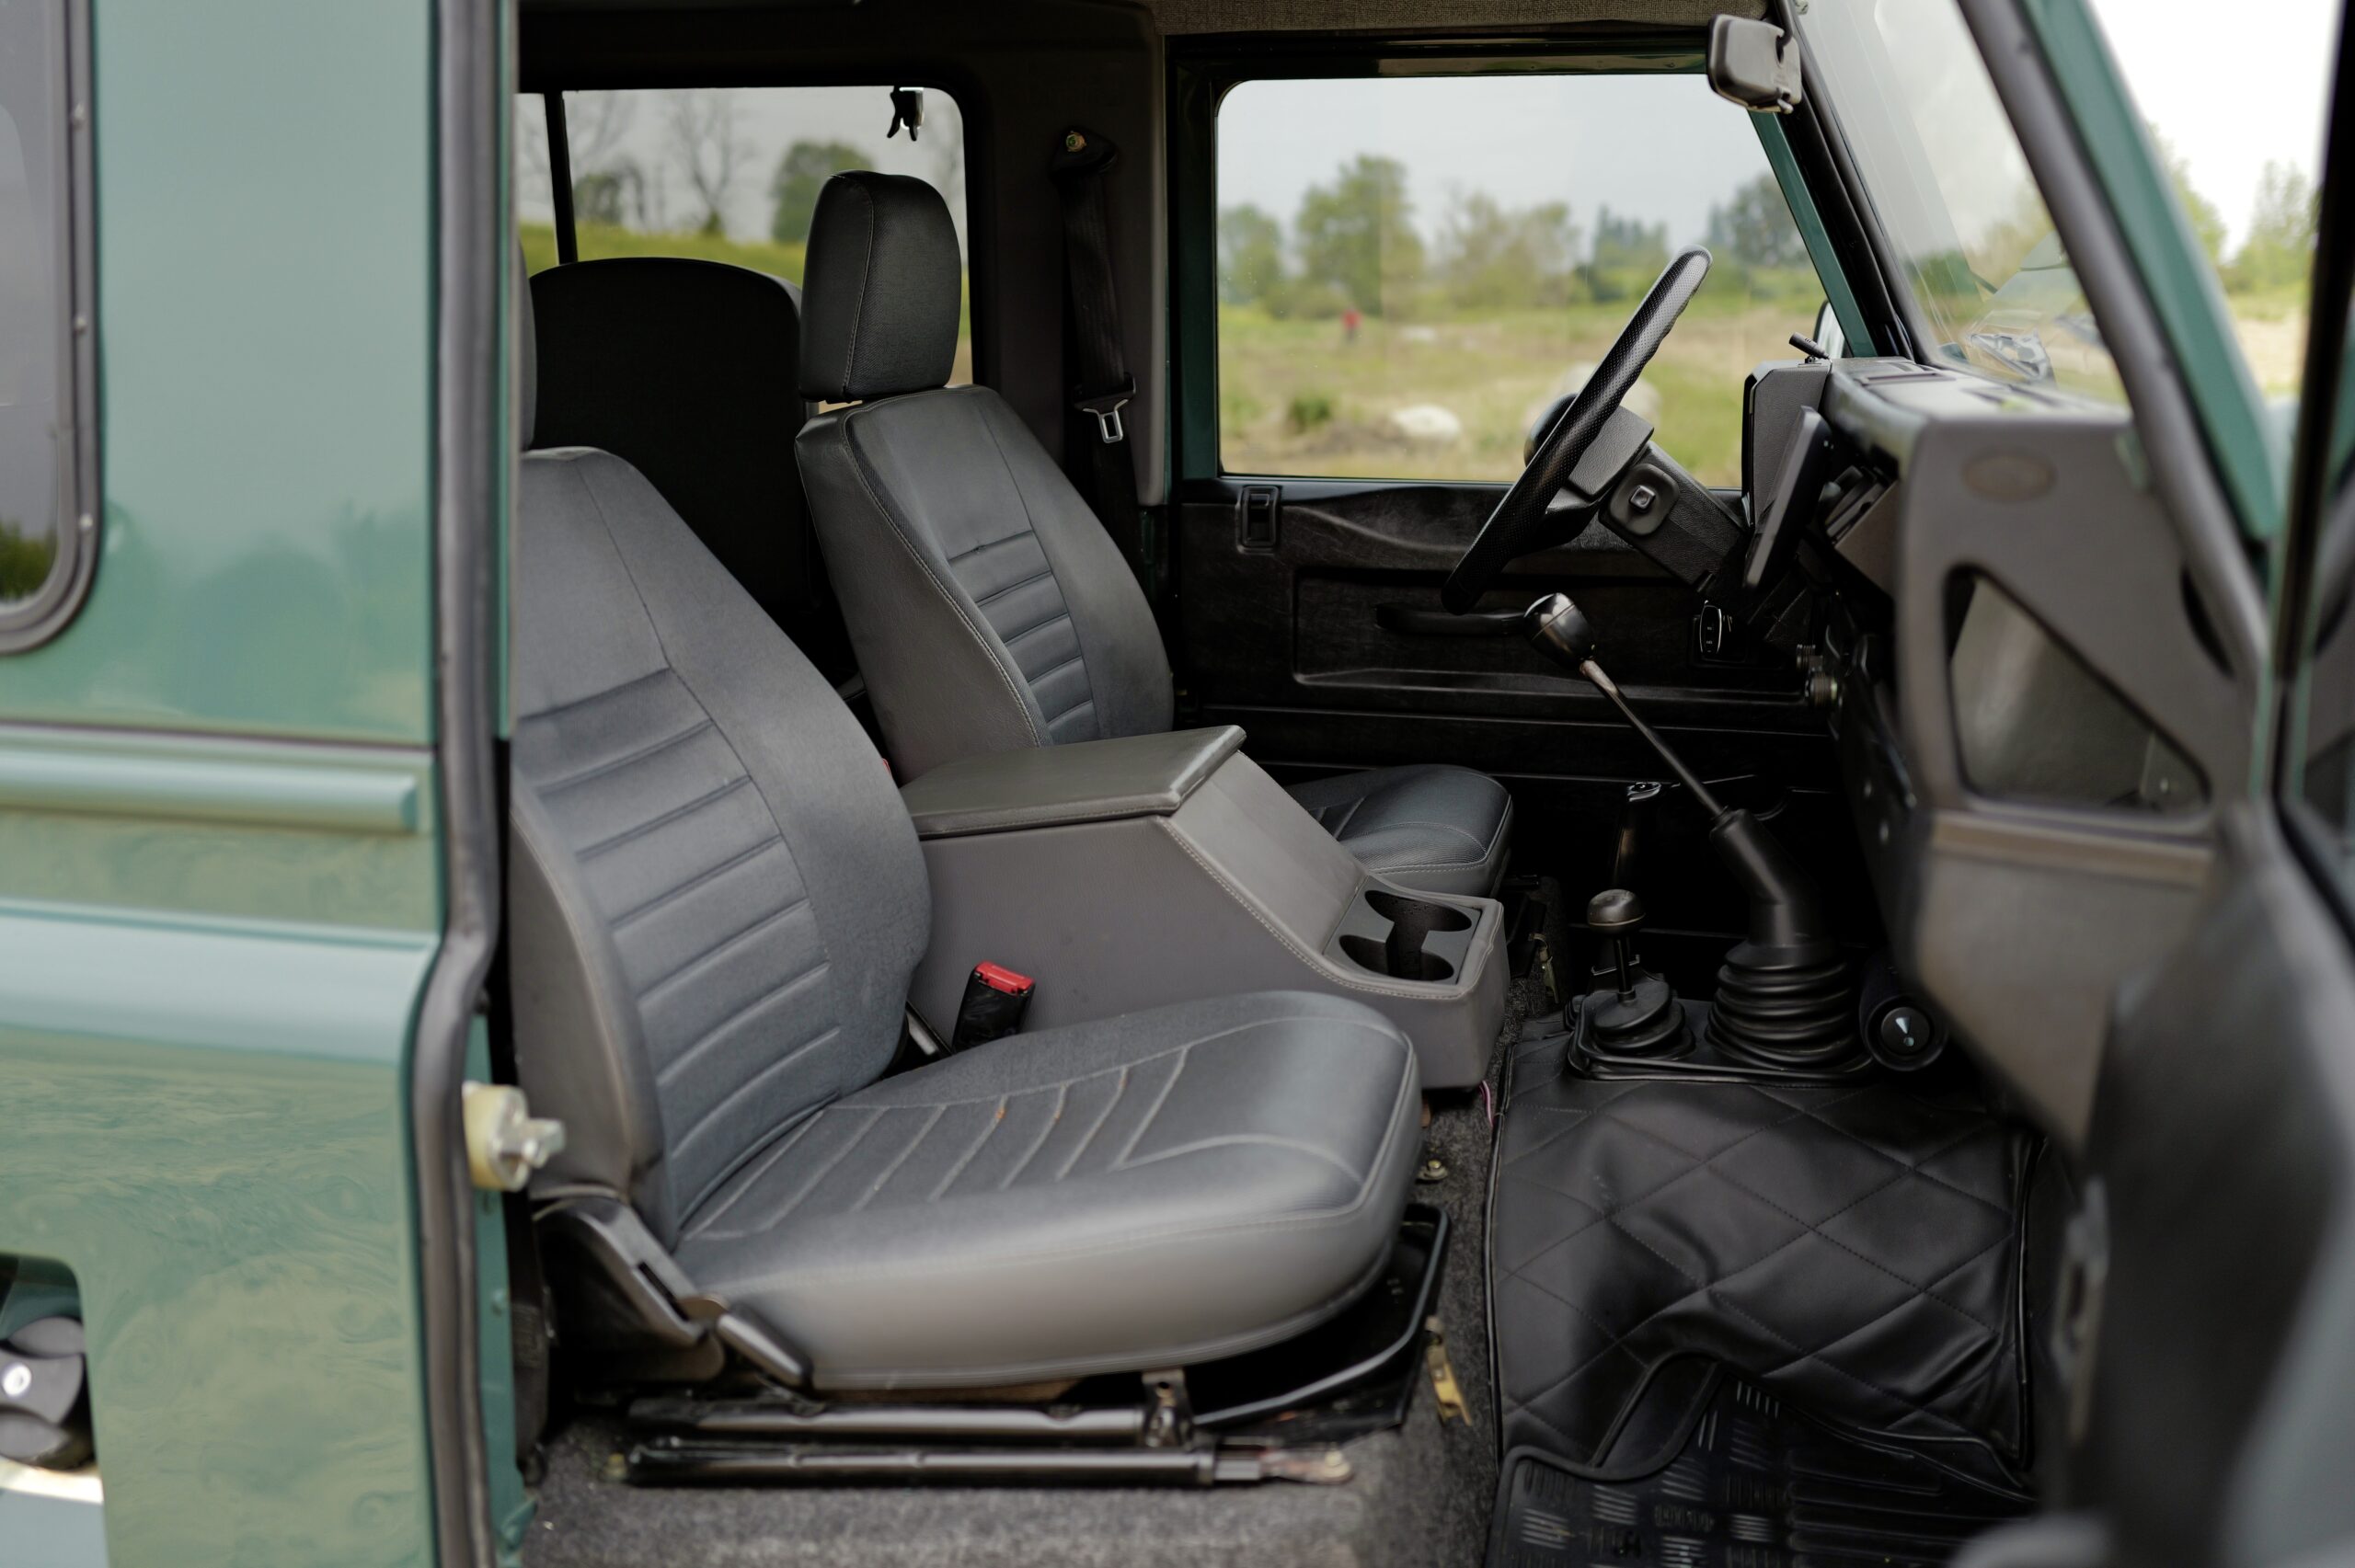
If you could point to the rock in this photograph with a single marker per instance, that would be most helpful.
(1426, 424)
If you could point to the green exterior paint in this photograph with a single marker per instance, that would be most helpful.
(213, 781)
(2251, 457)
(220, 889)
(206, 1128)
(265, 319)
(1812, 232)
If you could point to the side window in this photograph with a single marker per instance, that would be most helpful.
(46, 481)
(723, 173)
(1412, 270)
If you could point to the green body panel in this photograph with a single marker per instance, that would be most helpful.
(220, 873)
(1843, 299)
(265, 332)
(206, 1129)
(2250, 453)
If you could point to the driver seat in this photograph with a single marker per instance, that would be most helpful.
(988, 608)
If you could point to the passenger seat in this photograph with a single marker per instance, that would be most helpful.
(989, 608)
(715, 904)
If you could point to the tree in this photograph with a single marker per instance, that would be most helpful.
(2280, 250)
(1628, 254)
(1754, 228)
(1250, 255)
(611, 195)
(800, 174)
(708, 146)
(1494, 257)
(1357, 235)
(2207, 224)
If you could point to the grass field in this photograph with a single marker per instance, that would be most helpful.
(1295, 397)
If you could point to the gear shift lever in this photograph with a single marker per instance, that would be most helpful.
(1785, 995)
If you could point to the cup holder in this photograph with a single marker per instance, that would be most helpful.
(1400, 955)
(1413, 913)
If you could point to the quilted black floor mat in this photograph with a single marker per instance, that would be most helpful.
(1753, 1486)
(1851, 1249)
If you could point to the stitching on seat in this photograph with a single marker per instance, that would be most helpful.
(695, 1128)
(1010, 638)
(652, 675)
(1494, 840)
(893, 1168)
(865, 271)
(556, 787)
(989, 1130)
(859, 471)
(1048, 556)
(694, 1048)
(696, 960)
(1120, 1160)
(1066, 713)
(1403, 1102)
(1063, 1093)
(1120, 1090)
(664, 819)
(1263, 1139)
(699, 879)
(791, 1136)
(995, 594)
(808, 1185)
(993, 544)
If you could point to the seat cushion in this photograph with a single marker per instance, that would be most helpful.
(1438, 828)
(1160, 1188)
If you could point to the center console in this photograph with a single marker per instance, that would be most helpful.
(1128, 874)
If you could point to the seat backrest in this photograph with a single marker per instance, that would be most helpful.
(988, 608)
(684, 369)
(716, 899)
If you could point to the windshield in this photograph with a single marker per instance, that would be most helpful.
(1947, 178)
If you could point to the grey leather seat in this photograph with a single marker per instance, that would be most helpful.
(715, 903)
(987, 606)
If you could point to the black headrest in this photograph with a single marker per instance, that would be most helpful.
(879, 292)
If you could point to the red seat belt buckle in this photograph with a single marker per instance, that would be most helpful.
(995, 997)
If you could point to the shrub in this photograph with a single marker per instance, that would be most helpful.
(1309, 411)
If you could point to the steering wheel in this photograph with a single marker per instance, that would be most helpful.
(1513, 530)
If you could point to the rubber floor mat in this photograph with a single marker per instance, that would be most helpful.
(1852, 1249)
(1755, 1485)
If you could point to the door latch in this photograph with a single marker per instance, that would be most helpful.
(505, 1143)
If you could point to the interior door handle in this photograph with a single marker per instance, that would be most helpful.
(1414, 620)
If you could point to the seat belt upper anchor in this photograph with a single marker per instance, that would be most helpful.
(1106, 411)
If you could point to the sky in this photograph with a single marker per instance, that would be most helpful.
(2228, 94)
(1665, 148)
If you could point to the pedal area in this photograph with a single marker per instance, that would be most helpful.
(1743, 1320)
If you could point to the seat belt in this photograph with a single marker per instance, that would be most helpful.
(1095, 371)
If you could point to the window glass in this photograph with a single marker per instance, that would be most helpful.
(1410, 270)
(1948, 180)
(35, 421)
(2237, 114)
(723, 173)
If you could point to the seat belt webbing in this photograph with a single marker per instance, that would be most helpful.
(1096, 372)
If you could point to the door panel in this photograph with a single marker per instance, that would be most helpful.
(1284, 633)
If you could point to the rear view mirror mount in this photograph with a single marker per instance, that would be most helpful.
(1755, 64)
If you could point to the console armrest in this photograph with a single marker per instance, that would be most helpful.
(1088, 780)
